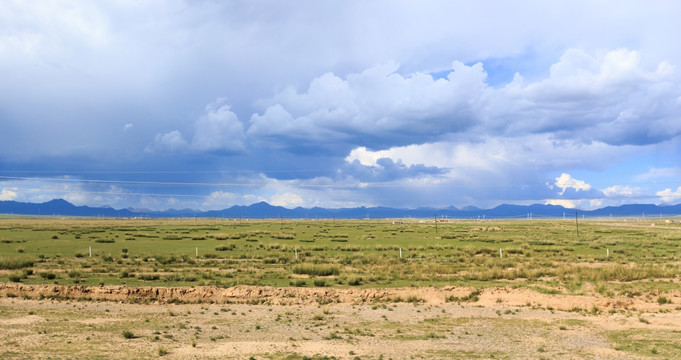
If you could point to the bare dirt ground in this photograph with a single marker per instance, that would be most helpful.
(117, 322)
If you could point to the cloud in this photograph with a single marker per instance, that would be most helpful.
(621, 191)
(655, 174)
(491, 170)
(611, 97)
(670, 196)
(123, 62)
(569, 204)
(514, 156)
(218, 129)
(286, 200)
(8, 194)
(364, 93)
(386, 169)
(172, 140)
(218, 200)
(74, 190)
(565, 181)
(377, 105)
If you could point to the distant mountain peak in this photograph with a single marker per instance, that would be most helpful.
(264, 210)
(58, 201)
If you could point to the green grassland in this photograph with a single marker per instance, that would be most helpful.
(617, 257)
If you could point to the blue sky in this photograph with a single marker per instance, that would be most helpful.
(209, 104)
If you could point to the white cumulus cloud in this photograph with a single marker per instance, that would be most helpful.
(610, 96)
(378, 103)
(670, 196)
(217, 129)
(570, 204)
(8, 194)
(565, 181)
(286, 200)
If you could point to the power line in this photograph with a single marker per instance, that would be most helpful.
(361, 184)
(167, 172)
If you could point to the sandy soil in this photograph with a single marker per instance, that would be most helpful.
(293, 323)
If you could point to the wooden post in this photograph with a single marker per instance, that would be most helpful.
(577, 223)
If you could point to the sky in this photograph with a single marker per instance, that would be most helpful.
(209, 104)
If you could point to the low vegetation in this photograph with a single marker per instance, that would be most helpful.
(629, 256)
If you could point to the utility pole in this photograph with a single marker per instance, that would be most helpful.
(435, 216)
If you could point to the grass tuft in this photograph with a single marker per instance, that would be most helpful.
(316, 269)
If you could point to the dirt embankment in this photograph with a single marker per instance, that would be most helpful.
(237, 294)
(293, 296)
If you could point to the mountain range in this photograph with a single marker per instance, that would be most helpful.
(263, 210)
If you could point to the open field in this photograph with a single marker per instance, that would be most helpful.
(541, 254)
(295, 289)
(85, 329)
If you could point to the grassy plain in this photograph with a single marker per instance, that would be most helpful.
(546, 254)
(534, 289)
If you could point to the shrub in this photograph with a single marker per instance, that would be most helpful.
(355, 281)
(283, 236)
(48, 275)
(315, 269)
(161, 259)
(298, 283)
(128, 334)
(15, 277)
(319, 282)
(472, 297)
(12, 263)
(148, 277)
